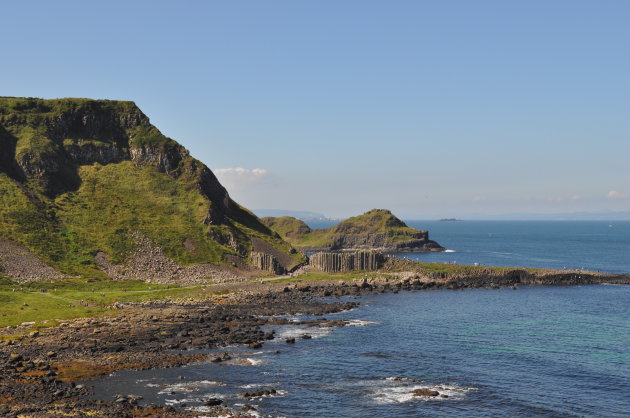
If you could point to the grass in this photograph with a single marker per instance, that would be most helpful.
(46, 302)
(400, 265)
(318, 276)
(116, 199)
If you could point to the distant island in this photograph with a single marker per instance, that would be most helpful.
(447, 220)
(377, 229)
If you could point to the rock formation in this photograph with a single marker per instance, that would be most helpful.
(267, 262)
(333, 262)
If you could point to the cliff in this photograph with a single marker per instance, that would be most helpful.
(81, 177)
(376, 229)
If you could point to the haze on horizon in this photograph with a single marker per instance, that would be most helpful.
(430, 109)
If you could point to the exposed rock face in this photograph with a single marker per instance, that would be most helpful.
(85, 153)
(267, 262)
(416, 242)
(333, 262)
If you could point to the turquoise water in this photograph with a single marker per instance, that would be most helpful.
(589, 245)
(535, 351)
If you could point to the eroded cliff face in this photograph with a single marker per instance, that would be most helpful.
(414, 242)
(45, 146)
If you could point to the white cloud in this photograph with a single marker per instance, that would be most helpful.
(237, 178)
(613, 194)
(576, 197)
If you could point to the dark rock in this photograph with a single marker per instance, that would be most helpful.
(425, 392)
(212, 402)
(258, 393)
(290, 340)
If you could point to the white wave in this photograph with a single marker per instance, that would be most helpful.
(404, 393)
(254, 362)
(361, 323)
(209, 383)
(258, 385)
(185, 387)
(450, 251)
(180, 401)
(298, 332)
(401, 379)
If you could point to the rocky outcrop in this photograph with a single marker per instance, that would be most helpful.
(415, 242)
(333, 262)
(267, 262)
(82, 152)
(19, 264)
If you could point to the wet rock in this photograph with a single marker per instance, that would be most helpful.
(306, 336)
(258, 393)
(425, 392)
(290, 340)
(212, 402)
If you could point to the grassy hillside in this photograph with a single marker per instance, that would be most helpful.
(376, 221)
(287, 226)
(78, 176)
(377, 228)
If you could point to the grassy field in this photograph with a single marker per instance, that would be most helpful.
(47, 301)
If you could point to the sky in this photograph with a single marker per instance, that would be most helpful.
(468, 109)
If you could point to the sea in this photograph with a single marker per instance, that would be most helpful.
(582, 245)
(534, 351)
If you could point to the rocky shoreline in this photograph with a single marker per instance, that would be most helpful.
(41, 370)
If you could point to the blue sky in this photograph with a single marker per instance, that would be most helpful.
(431, 109)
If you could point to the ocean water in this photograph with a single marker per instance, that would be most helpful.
(587, 245)
(535, 351)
